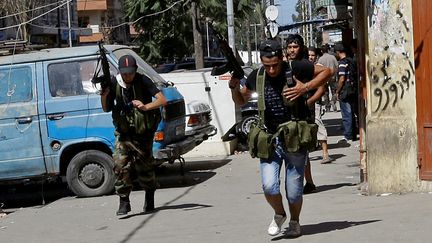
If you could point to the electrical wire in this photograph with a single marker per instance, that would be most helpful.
(111, 27)
(148, 15)
(26, 22)
(30, 10)
(61, 28)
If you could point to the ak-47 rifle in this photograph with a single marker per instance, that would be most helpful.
(105, 79)
(232, 64)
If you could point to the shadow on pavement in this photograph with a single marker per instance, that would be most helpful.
(312, 229)
(192, 170)
(333, 156)
(195, 172)
(17, 196)
(338, 145)
(323, 188)
(168, 175)
(324, 227)
(185, 207)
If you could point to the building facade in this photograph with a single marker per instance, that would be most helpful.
(395, 43)
(106, 19)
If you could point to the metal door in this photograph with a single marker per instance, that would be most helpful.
(422, 21)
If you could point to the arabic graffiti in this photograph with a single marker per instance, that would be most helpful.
(393, 91)
(391, 68)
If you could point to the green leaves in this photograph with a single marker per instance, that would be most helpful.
(169, 33)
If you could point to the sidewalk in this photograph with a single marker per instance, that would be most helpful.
(338, 212)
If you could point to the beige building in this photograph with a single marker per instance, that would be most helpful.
(106, 19)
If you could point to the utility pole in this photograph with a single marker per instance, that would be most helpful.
(69, 23)
(59, 40)
(310, 25)
(230, 20)
(208, 41)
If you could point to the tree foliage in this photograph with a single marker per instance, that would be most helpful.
(168, 34)
(21, 12)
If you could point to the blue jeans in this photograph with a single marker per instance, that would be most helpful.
(348, 120)
(294, 173)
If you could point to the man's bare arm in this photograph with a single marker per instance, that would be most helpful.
(158, 102)
(317, 95)
(340, 84)
(321, 75)
(240, 96)
(107, 104)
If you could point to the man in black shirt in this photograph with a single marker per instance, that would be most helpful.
(135, 116)
(306, 78)
(347, 93)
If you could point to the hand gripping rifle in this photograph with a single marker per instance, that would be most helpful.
(232, 64)
(105, 79)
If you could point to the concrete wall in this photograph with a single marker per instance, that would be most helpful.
(191, 85)
(391, 129)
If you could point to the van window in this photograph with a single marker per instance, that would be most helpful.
(73, 78)
(65, 79)
(15, 85)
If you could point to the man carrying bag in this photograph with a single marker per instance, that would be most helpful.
(284, 132)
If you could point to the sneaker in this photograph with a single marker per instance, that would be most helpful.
(294, 229)
(327, 160)
(275, 226)
(308, 188)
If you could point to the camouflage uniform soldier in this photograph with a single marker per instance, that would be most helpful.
(135, 117)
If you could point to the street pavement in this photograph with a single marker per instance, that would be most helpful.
(219, 199)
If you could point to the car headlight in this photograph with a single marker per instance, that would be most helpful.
(254, 95)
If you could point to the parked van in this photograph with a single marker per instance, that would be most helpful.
(52, 124)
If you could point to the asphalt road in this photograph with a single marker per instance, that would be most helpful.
(220, 200)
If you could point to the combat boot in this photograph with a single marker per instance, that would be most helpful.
(149, 201)
(124, 206)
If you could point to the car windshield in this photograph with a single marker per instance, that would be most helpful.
(143, 67)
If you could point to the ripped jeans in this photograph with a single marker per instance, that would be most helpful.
(294, 173)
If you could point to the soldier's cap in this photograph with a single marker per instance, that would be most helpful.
(270, 48)
(339, 47)
(127, 64)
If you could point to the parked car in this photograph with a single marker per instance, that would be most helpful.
(52, 124)
(249, 115)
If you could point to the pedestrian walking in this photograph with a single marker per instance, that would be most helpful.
(347, 93)
(281, 91)
(330, 61)
(135, 117)
(314, 103)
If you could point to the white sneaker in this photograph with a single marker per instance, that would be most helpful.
(294, 229)
(275, 226)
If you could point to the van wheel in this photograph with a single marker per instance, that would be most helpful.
(90, 173)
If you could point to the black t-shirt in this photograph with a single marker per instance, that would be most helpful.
(276, 112)
(148, 89)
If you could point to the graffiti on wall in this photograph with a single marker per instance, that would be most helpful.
(391, 68)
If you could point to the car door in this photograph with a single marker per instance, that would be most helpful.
(72, 105)
(66, 103)
(21, 153)
(101, 125)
